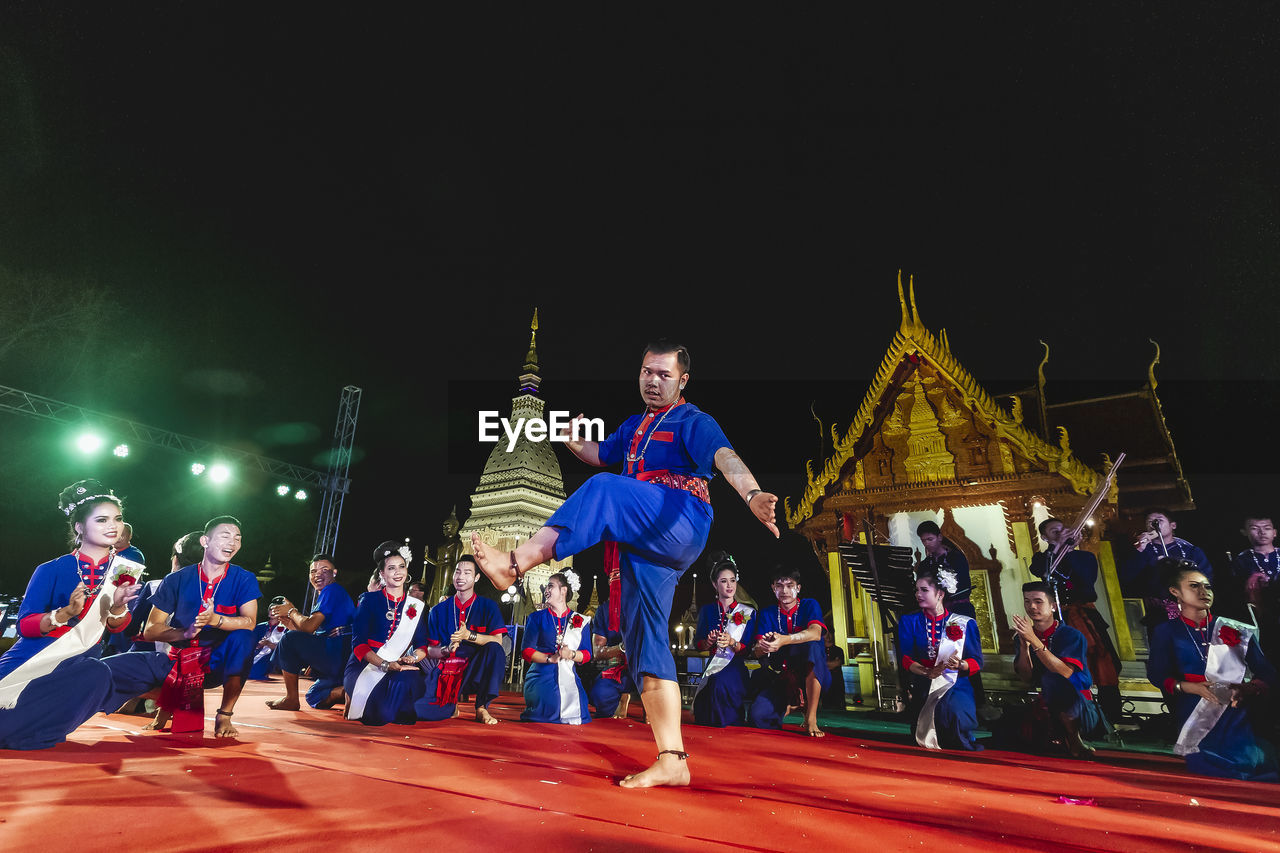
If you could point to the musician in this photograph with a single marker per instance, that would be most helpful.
(610, 691)
(941, 652)
(793, 670)
(1050, 657)
(1255, 578)
(1139, 576)
(465, 634)
(321, 640)
(1201, 660)
(726, 628)
(1077, 592)
(556, 642)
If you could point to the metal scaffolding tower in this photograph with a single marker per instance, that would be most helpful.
(336, 483)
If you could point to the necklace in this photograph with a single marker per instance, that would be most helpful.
(935, 633)
(561, 630)
(209, 588)
(94, 580)
(460, 612)
(1203, 641)
(393, 615)
(1264, 564)
(724, 615)
(632, 458)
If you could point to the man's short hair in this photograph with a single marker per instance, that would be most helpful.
(327, 558)
(782, 573)
(221, 519)
(928, 527)
(662, 346)
(1037, 586)
(1158, 510)
(1045, 524)
(467, 558)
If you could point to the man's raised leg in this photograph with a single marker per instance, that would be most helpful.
(662, 704)
(496, 565)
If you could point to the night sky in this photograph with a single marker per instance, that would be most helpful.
(261, 206)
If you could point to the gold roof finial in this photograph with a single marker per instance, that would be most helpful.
(915, 312)
(531, 359)
(1151, 370)
(902, 300)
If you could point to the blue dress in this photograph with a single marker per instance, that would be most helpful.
(956, 716)
(1230, 749)
(721, 698)
(486, 664)
(392, 699)
(326, 649)
(545, 699)
(606, 689)
(55, 704)
(779, 681)
(661, 530)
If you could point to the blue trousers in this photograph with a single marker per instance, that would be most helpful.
(325, 655)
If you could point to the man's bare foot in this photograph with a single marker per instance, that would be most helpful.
(334, 697)
(814, 731)
(222, 725)
(495, 564)
(667, 770)
(284, 704)
(483, 716)
(158, 724)
(624, 705)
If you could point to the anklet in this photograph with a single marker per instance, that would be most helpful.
(224, 713)
(683, 756)
(515, 568)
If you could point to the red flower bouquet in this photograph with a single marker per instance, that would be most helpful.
(954, 632)
(125, 580)
(738, 618)
(1229, 636)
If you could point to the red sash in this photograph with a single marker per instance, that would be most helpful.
(613, 565)
(182, 693)
(449, 681)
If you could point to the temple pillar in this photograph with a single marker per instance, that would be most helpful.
(1119, 623)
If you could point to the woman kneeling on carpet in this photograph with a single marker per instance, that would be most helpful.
(389, 641)
(556, 641)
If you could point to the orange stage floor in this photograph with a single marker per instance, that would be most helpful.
(310, 781)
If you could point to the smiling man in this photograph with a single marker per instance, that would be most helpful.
(207, 612)
(793, 669)
(654, 519)
(321, 640)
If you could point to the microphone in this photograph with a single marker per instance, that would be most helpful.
(1155, 525)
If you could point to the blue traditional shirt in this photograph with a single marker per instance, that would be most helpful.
(477, 614)
(338, 609)
(1081, 569)
(681, 439)
(182, 594)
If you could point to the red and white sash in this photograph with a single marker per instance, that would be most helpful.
(724, 657)
(926, 731)
(78, 640)
(566, 678)
(1224, 663)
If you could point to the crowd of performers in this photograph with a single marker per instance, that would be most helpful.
(391, 658)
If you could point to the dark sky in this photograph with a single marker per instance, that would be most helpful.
(276, 203)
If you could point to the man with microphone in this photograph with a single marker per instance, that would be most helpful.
(1139, 576)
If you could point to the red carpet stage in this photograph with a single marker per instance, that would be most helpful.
(310, 781)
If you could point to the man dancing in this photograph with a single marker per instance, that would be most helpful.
(654, 519)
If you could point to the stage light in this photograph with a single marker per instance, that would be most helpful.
(282, 490)
(300, 495)
(219, 473)
(122, 450)
(197, 468)
(89, 443)
(1089, 522)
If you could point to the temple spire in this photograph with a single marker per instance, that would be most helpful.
(529, 378)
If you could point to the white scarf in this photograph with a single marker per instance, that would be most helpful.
(82, 637)
(1224, 663)
(395, 647)
(723, 657)
(926, 731)
(570, 707)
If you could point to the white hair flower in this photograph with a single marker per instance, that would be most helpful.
(947, 580)
(407, 553)
(572, 577)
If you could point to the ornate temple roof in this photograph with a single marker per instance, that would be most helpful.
(530, 464)
(914, 347)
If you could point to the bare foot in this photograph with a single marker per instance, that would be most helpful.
(158, 724)
(624, 705)
(667, 770)
(284, 704)
(495, 564)
(814, 731)
(483, 716)
(334, 697)
(222, 725)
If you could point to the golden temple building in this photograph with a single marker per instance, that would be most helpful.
(929, 442)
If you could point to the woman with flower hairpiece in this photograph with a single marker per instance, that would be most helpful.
(51, 680)
(556, 642)
(941, 651)
(726, 628)
(383, 677)
(1201, 660)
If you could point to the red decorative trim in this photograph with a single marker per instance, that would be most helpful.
(1047, 634)
(664, 435)
(29, 625)
(361, 650)
(128, 617)
(464, 605)
(528, 655)
(586, 656)
(1073, 662)
(1171, 685)
(906, 662)
(1204, 624)
(813, 622)
(1197, 679)
(226, 609)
